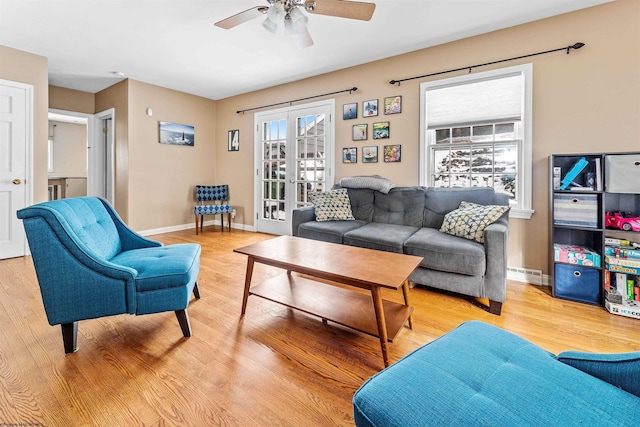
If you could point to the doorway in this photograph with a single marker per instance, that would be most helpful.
(294, 152)
(97, 157)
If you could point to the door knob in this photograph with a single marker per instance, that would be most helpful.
(17, 181)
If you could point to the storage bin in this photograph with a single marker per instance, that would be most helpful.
(578, 210)
(577, 283)
(622, 173)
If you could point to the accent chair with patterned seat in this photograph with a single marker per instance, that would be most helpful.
(218, 194)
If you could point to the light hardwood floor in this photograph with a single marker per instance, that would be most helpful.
(273, 367)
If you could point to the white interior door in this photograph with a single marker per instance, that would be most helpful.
(294, 157)
(16, 124)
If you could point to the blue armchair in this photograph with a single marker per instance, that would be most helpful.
(89, 264)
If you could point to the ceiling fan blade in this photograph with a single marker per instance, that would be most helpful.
(342, 8)
(302, 38)
(242, 17)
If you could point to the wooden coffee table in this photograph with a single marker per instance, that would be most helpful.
(348, 265)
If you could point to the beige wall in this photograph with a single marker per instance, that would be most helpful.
(69, 149)
(62, 98)
(162, 177)
(588, 101)
(24, 67)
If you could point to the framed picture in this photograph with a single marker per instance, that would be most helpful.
(177, 134)
(393, 105)
(350, 155)
(370, 108)
(350, 111)
(370, 154)
(392, 153)
(381, 130)
(359, 132)
(234, 140)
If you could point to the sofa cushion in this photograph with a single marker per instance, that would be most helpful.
(440, 201)
(383, 237)
(332, 205)
(361, 203)
(481, 375)
(441, 251)
(327, 231)
(470, 220)
(402, 206)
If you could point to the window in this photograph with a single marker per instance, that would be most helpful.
(476, 131)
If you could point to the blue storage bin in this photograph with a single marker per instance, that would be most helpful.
(577, 283)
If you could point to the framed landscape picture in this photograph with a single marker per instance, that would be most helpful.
(177, 134)
(359, 132)
(392, 153)
(370, 154)
(350, 155)
(381, 130)
(350, 111)
(393, 105)
(370, 108)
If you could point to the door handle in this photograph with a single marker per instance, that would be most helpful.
(17, 181)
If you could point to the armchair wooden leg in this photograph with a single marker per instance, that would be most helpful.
(196, 291)
(229, 218)
(197, 224)
(70, 337)
(183, 319)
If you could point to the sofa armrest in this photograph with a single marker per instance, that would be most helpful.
(622, 369)
(495, 246)
(301, 215)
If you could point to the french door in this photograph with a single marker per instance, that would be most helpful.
(294, 152)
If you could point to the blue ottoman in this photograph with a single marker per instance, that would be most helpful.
(481, 375)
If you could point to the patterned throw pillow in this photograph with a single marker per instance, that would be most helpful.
(470, 220)
(332, 205)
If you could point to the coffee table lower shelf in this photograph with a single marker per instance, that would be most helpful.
(333, 303)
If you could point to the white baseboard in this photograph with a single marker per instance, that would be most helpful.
(527, 275)
(192, 226)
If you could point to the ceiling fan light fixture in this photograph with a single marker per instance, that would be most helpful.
(295, 21)
(275, 17)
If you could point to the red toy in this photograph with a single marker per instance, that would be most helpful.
(622, 220)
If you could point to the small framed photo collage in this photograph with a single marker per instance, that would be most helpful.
(377, 130)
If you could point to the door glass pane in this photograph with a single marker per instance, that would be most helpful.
(274, 135)
(309, 158)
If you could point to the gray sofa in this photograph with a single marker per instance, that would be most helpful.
(407, 220)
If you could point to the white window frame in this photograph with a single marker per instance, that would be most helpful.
(523, 209)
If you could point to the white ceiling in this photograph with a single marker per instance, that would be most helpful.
(174, 44)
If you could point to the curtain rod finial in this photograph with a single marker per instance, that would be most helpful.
(576, 46)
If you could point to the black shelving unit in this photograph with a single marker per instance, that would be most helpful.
(577, 217)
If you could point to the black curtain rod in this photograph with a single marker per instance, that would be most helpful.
(470, 67)
(353, 89)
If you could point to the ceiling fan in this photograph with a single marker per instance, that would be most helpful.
(287, 13)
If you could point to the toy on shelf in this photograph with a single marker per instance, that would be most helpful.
(622, 220)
